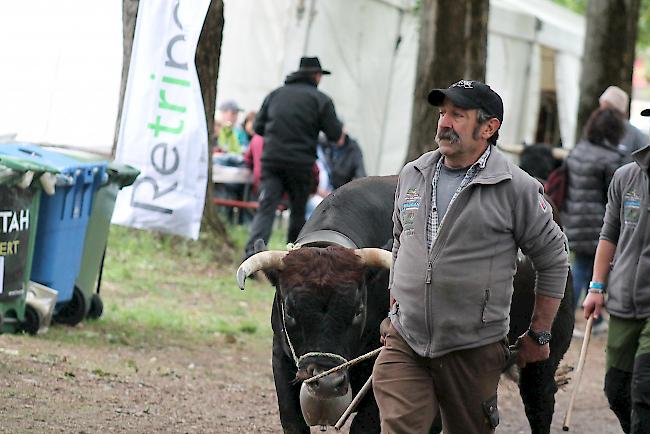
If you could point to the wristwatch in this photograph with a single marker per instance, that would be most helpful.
(542, 338)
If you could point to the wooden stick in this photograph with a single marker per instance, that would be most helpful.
(579, 370)
(354, 403)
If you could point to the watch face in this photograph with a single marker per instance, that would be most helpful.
(542, 338)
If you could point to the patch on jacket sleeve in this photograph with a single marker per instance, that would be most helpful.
(542, 203)
(631, 208)
(408, 210)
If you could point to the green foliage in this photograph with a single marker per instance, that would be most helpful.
(161, 290)
(643, 37)
(578, 6)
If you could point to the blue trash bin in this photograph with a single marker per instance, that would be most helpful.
(63, 220)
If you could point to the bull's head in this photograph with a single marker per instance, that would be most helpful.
(321, 301)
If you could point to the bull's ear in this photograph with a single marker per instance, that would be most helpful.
(259, 245)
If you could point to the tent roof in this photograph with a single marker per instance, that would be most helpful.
(555, 26)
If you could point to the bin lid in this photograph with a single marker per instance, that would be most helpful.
(122, 174)
(20, 164)
(44, 157)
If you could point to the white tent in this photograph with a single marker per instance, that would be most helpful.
(62, 64)
(371, 48)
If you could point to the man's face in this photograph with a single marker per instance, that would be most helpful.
(458, 131)
(229, 117)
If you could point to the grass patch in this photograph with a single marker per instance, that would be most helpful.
(163, 290)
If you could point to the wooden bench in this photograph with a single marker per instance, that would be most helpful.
(251, 204)
(236, 203)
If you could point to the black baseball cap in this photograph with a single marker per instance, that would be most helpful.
(645, 112)
(470, 94)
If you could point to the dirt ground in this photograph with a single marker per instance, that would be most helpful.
(48, 386)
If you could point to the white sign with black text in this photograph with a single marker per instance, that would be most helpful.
(163, 130)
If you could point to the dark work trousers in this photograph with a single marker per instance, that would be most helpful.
(409, 389)
(297, 182)
(627, 378)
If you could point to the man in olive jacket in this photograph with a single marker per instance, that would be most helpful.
(461, 213)
(624, 247)
(289, 120)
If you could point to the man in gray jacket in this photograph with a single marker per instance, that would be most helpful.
(625, 243)
(461, 213)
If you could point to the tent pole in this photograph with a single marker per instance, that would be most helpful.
(310, 20)
(389, 88)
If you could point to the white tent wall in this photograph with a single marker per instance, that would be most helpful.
(372, 75)
(253, 49)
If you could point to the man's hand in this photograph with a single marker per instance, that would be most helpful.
(530, 351)
(593, 303)
(383, 329)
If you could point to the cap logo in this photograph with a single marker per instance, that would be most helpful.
(466, 84)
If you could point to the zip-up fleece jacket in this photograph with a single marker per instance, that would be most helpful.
(458, 295)
(627, 224)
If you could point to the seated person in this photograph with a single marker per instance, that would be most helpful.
(344, 161)
(230, 137)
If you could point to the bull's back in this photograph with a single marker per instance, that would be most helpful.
(362, 210)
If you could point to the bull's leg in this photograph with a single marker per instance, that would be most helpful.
(288, 394)
(366, 421)
(537, 388)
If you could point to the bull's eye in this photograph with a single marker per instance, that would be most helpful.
(289, 321)
(358, 315)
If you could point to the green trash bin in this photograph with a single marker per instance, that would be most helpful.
(20, 190)
(89, 279)
(86, 301)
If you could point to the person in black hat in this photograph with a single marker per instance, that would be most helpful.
(460, 214)
(289, 120)
(625, 282)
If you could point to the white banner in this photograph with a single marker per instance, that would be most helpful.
(163, 130)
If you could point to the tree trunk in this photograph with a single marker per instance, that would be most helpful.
(207, 57)
(608, 57)
(476, 33)
(445, 56)
(129, 17)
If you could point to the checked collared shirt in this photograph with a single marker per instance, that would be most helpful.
(433, 223)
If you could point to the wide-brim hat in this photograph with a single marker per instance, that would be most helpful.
(312, 64)
(470, 94)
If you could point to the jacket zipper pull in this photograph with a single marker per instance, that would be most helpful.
(485, 303)
(428, 272)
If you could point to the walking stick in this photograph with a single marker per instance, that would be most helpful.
(362, 392)
(581, 363)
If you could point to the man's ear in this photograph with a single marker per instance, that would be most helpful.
(489, 128)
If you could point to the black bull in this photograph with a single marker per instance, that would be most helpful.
(362, 212)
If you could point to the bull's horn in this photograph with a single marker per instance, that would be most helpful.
(375, 257)
(257, 262)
